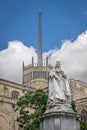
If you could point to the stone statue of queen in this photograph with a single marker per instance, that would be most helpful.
(59, 90)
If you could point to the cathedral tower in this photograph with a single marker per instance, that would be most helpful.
(36, 76)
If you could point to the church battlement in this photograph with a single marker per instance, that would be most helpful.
(36, 75)
(31, 73)
(35, 66)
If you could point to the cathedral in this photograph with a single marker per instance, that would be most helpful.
(35, 77)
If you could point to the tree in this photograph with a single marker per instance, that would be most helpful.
(73, 104)
(83, 125)
(35, 101)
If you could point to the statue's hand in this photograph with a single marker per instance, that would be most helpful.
(64, 76)
(52, 74)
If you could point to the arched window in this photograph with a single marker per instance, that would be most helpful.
(84, 115)
(14, 95)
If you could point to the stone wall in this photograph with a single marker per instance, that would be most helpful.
(78, 89)
(79, 94)
(9, 94)
(7, 114)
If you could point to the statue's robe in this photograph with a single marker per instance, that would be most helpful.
(58, 87)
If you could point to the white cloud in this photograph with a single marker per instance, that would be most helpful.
(72, 56)
(11, 60)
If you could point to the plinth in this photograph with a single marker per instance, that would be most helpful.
(58, 117)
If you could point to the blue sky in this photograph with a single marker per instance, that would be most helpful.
(64, 36)
(61, 20)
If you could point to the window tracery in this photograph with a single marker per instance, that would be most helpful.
(14, 95)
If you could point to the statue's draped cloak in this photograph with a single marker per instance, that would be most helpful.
(58, 87)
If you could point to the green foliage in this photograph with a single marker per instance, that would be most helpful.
(73, 104)
(35, 100)
(83, 125)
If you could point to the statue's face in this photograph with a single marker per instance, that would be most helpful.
(57, 69)
(58, 65)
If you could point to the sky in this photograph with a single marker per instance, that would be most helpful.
(64, 36)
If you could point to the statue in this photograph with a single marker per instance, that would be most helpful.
(59, 114)
(59, 90)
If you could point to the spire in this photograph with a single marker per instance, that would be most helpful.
(40, 62)
(32, 61)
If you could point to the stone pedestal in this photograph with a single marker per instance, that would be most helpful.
(59, 117)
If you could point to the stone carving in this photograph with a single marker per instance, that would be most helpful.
(59, 90)
(58, 110)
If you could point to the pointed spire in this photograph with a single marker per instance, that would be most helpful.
(40, 62)
(46, 61)
(32, 61)
(23, 64)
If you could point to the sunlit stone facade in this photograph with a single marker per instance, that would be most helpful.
(10, 92)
